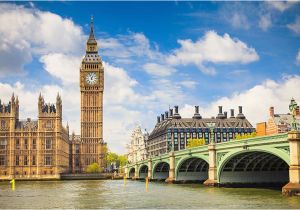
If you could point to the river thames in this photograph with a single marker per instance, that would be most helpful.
(114, 194)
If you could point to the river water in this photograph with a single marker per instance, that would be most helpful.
(114, 194)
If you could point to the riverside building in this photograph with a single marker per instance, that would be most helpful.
(137, 149)
(171, 132)
(277, 123)
(33, 149)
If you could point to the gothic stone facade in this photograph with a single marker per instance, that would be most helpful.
(33, 149)
(137, 148)
(91, 147)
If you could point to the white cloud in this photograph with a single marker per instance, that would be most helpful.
(212, 48)
(158, 69)
(265, 22)
(64, 67)
(129, 46)
(239, 20)
(25, 32)
(13, 57)
(281, 5)
(165, 92)
(295, 27)
(255, 101)
(188, 84)
(298, 57)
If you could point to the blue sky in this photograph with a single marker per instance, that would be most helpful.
(157, 54)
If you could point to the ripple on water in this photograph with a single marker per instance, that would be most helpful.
(113, 194)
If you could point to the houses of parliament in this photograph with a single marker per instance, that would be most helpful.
(44, 148)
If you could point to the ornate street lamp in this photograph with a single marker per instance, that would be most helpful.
(211, 127)
(293, 108)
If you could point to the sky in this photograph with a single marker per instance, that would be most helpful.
(156, 55)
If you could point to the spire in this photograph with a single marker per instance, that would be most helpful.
(13, 98)
(92, 39)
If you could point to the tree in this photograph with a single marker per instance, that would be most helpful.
(195, 143)
(122, 160)
(93, 168)
(111, 157)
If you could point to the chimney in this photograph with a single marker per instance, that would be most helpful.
(162, 117)
(220, 114)
(220, 109)
(171, 113)
(231, 113)
(167, 114)
(271, 111)
(158, 119)
(298, 111)
(225, 114)
(197, 115)
(240, 115)
(176, 114)
(176, 109)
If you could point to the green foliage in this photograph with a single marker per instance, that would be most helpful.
(123, 160)
(195, 143)
(93, 168)
(112, 157)
(245, 136)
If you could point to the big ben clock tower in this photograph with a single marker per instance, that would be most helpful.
(91, 113)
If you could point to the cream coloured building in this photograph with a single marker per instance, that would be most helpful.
(137, 148)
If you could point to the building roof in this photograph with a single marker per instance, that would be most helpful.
(92, 39)
(74, 138)
(285, 119)
(162, 126)
(27, 124)
(91, 58)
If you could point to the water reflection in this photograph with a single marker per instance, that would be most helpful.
(113, 194)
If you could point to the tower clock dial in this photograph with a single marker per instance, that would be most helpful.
(91, 78)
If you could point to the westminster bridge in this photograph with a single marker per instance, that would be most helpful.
(259, 160)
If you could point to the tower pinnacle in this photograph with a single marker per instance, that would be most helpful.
(92, 40)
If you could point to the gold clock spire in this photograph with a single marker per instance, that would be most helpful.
(91, 45)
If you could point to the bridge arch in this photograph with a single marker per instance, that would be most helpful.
(161, 170)
(143, 171)
(259, 166)
(131, 172)
(192, 168)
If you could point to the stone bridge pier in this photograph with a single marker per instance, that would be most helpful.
(212, 170)
(293, 187)
(171, 178)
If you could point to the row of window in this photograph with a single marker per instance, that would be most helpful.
(47, 160)
(206, 130)
(25, 173)
(48, 144)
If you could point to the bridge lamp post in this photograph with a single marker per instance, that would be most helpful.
(293, 107)
(211, 127)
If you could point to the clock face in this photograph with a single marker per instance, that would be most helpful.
(91, 78)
